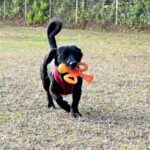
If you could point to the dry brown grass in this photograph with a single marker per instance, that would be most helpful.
(115, 107)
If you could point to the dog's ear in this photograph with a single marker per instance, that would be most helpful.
(79, 51)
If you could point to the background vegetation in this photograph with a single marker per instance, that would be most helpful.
(78, 13)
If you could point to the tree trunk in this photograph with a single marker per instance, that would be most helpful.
(83, 5)
(4, 9)
(76, 13)
(116, 18)
(50, 9)
(25, 10)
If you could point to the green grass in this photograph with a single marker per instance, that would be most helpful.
(115, 107)
(6, 117)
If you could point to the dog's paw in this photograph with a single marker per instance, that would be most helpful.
(52, 106)
(75, 114)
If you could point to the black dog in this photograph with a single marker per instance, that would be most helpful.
(52, 81)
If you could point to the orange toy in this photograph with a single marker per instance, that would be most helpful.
(73, 74)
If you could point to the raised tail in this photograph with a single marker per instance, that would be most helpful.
(53, 29)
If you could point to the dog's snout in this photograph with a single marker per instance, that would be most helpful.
(73, 64)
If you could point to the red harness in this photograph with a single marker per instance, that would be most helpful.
(68, 88)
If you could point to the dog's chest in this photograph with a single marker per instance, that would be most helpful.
(66, 87)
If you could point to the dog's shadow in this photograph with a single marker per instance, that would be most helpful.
(124, 117)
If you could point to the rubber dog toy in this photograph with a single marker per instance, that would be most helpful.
(73, 74)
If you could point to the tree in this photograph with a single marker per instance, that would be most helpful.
(116, 16)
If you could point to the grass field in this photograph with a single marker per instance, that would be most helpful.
(115, 107)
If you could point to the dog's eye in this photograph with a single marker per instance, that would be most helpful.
(64, 55)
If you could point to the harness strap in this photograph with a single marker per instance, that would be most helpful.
(68, 88)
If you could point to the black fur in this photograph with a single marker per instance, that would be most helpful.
(71, 56)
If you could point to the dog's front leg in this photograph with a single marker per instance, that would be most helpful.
(76, 98)
(59, 99)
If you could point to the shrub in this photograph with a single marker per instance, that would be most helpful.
(39, 12)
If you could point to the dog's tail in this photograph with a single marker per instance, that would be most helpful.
(53, 29)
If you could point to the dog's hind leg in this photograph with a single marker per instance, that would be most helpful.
(50, 101)
(63, 104)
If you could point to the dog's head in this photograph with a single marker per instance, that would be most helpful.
(70, 55)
